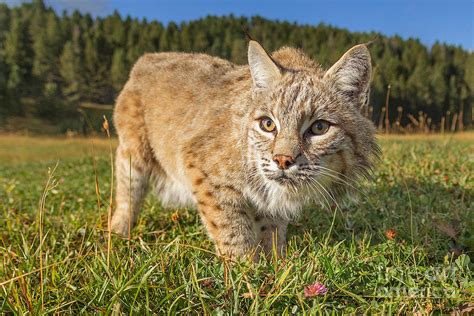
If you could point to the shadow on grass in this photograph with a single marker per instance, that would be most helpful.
(431, 215)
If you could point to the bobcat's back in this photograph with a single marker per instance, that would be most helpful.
(176, 101)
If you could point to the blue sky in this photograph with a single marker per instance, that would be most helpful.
(450, 21)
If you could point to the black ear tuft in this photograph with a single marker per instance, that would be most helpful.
(247, 33)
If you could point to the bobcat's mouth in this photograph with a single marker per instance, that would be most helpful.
(282, 178)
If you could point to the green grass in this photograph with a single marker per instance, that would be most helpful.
(423, 190)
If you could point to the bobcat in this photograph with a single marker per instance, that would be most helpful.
(249, 146)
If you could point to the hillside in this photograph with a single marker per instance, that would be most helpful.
(50, 63)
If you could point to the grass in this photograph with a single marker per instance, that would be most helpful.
(422, 193)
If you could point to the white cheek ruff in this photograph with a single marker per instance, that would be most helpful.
(275, 200)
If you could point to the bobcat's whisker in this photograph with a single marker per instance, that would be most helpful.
(335, 176)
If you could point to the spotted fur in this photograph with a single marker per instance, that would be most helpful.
(188, 127)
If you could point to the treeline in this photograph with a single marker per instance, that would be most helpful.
(52, 64)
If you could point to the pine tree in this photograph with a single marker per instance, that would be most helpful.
(154, 34)
(173, 37)
(96, 68)
(18, 53)
(119, 69)
(200, 43)
(114, 27)
(185, 38)
(133, 49)
(72, 81)
(239, 51)
(4, 108)
(439, 78)
(164, 45)
(4, 22)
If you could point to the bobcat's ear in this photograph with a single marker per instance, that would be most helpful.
(265, 72)
(352, 74)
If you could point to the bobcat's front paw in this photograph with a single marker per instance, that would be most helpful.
(119, 225)
(237, 251)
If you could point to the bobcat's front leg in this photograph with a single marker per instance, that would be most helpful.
(227, 219)
(272, 234)
(229, 225)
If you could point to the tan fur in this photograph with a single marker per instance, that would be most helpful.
(188, 123)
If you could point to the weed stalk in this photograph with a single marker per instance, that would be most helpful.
(106, 127)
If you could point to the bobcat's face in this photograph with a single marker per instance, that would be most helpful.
(302, 135)
(306, 133)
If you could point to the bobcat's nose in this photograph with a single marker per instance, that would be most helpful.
(283, 162)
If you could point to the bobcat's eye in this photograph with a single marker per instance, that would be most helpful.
(267, 125)
(320, 127)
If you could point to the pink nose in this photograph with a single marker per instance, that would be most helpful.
(283, 162)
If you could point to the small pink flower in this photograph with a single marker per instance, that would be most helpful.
(315, 290)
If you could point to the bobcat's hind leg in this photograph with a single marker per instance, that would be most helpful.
(132, 184)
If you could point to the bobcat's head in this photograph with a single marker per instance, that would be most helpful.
(306, 132)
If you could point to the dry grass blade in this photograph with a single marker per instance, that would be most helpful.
(130, 198)
(50, 184)
(18, 277)
(96, 178)
(109, 210)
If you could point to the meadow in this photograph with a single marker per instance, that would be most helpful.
(404, 247)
